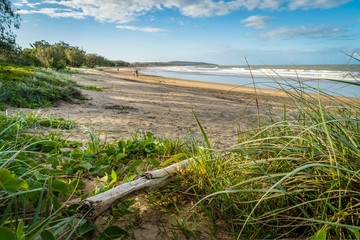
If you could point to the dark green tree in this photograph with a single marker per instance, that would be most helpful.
(50, 56)
(94, 60)
(121, 63)
(75, 57)
(9, 19)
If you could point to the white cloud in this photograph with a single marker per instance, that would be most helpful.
(313, 4)
(205, 8)
(55, 13)
(305, 32)
(125, 11)
(26, 3)
(257, 22)
(142, 29)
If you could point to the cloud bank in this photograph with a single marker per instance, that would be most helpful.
(125, 11)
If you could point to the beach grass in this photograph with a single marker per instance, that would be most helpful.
(296, 177)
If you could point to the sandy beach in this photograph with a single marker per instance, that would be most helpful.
(162, 106)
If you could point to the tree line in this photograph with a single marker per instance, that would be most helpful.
(61, 55)
(58, 56)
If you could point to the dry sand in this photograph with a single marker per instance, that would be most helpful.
(163, 106)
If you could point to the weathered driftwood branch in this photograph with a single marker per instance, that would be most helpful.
(94, 206)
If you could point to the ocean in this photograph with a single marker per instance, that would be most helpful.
(337, 80)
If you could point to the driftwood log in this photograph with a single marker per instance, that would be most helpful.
(94, 206)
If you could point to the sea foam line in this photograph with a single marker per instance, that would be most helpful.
(295, 74)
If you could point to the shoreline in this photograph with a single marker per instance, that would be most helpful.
(262, 93)
(126, 73)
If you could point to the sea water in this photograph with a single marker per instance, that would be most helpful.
(337, 80)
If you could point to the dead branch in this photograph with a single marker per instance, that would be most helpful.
(94, 206)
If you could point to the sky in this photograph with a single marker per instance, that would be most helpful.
(265, 32)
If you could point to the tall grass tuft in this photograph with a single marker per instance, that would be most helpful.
(295, 177)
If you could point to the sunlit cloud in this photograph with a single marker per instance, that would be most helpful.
(314, 4)
(26, 3)
(55, 13)
(305, 32)
(141, 29)
(256, 22)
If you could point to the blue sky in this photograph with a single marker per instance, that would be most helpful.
(266, 32)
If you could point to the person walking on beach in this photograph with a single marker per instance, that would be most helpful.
(135, 73)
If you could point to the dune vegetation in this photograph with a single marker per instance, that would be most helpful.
(30, 87)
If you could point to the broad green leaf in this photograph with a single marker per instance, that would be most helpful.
(60, 186)
(319, 235)
(69, 170)
(21, 170)
(104, 178)
(86, 165)
(113, 232)
(99, 169)
(85, 228)
(48, 146)
(7, 234)
(134, 165)
(77, 153)
(47, 235)
(20, 230)
(120, 156)
(9, 183)
(78, 183)
(111, 150)
(129, 177)
(40, 177)
(113, 177)
(122, 145)
(89, 156)
(154, 162)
